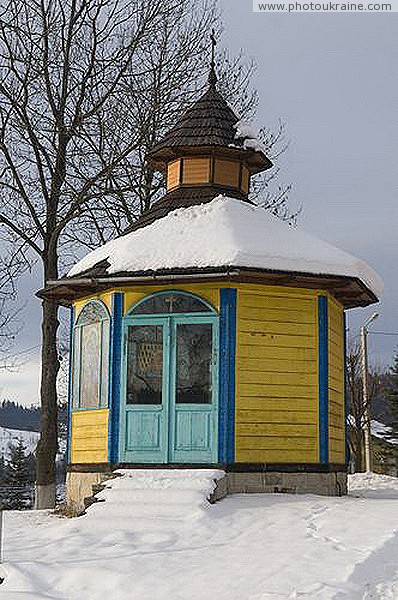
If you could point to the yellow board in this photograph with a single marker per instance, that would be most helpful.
(336, 383)
(89, 440)
(277, 375)
(209, 292)
(105, 297)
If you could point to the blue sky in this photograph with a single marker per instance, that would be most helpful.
(332, 79)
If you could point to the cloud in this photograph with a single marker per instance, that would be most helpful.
(22, 385)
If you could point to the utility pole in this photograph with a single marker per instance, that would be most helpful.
(365, 394)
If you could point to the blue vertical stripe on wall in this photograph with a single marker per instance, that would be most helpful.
(70, 384)
(115, 373)
(323, 379)
(226, 435)
(347, 445)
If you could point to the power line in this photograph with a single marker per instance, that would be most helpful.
(383, 333)
(26, 351)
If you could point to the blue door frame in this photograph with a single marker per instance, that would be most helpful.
(169, 432)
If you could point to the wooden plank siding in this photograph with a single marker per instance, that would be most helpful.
(173, 174)
(196, 170)
(89, 441)
(277, 375)
(105, 297)
(245, 185)
(336, 383)
(226, 172)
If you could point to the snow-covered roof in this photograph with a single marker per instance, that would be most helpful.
(248, 133)
(226, 232)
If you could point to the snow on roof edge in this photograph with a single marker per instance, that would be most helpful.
(227, 232)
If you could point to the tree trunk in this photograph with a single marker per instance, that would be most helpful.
(356, 448)
(48, 443)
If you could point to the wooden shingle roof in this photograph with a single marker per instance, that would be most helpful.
(209, 122)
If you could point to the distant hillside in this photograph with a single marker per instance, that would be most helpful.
(19, 417)
(381, 410)
(9, 437)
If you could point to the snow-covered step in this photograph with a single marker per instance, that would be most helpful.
(155, 494)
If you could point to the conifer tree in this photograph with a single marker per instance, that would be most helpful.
(17, 482)
(393, 397)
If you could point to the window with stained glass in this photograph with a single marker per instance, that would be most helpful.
(171, 303)
(91, 357)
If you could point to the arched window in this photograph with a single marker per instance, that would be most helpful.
(172, 302)
(91, 357)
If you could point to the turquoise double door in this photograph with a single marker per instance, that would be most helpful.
(169, 407)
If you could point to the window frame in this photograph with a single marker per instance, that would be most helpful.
(103, 377)
(137, 315)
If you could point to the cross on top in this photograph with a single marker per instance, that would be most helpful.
(212, 74)
(213, 47)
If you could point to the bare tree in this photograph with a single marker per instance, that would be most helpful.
(9, 311)
(357, 408)
(62, 68)
(86, 88)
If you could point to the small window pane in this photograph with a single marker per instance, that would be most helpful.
(90, 369)
(194, 364)
(170, 303)
(92, 313)
(105, 364)
(76, 368)
(145, 364)
(90, 365)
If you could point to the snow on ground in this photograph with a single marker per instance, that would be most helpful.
(11, 436)
(155, 538)
(226, 232)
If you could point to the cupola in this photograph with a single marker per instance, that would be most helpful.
(209, 151)
(207, 148)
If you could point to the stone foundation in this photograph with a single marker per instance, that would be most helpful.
(80, 488)
(322, 484)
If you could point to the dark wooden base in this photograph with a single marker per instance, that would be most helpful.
(231, 468)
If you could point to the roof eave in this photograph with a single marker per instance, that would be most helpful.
(352, 292)
(256, 160)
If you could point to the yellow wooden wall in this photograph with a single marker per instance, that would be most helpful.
(277, 395)
(89, 440)
(208, 291)
(277, 375)
(336, 383)
(105, 297)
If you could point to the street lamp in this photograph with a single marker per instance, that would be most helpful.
(365, 396)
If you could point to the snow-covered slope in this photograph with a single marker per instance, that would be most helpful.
(226, 232)
(382, 431)
(246, 547)
(11, 436)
